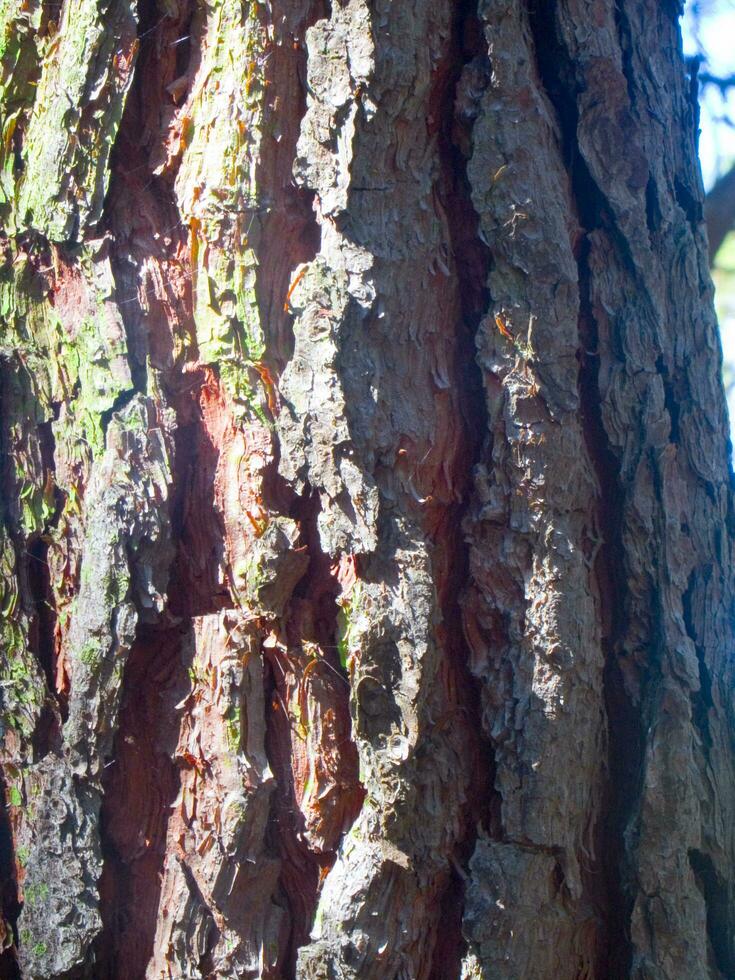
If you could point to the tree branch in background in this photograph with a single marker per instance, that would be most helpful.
(719, 207)
(722, 82)
(719, 212)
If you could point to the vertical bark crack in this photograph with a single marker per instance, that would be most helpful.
(459, 86)
(140, 784)
(625, 734)
(42, 640)
(305, 680)
(290, 235)
(625, 740)
(43, 634)
(702, 701)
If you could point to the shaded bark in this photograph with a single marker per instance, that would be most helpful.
(367, 519)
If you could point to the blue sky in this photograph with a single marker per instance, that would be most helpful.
(715, 34)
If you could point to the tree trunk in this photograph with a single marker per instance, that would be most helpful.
(367, 606)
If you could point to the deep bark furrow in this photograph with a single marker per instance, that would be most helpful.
(309, 740)
(534, 510)
(624, 724)
(140, 785)
(607, 879)
(42, 640)
(459, 85)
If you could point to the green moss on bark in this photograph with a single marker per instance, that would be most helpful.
(87, 70)
(218, 196)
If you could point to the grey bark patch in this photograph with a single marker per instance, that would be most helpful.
(124, 574)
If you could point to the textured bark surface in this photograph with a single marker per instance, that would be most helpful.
(366, 541)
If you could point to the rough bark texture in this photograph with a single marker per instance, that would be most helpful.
(366, 512)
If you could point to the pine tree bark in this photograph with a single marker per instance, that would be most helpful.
(367, 523)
